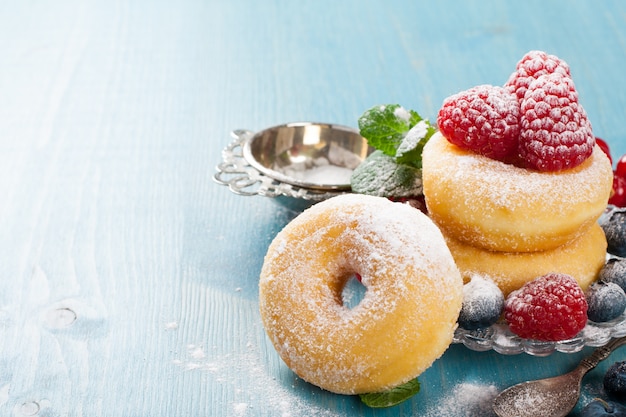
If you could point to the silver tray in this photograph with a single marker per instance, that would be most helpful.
(499, 338)
(296, 164)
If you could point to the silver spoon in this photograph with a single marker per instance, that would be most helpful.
(553, 397)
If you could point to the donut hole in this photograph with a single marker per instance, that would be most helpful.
(353, 291)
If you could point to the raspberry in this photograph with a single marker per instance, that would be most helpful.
(483, 119)
(618, 193)
(549, 308)
(533, 65)
(620, 167)
(555, 133)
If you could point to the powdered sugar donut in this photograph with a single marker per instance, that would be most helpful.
(501, 207)
(406, 318)
(583, 258)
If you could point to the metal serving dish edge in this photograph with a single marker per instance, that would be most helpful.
(297, 163)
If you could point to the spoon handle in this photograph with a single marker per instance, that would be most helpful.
(601, 354)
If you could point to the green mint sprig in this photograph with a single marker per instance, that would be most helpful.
(391, 397)
(382, 176)
(398, 136)
(397, 132)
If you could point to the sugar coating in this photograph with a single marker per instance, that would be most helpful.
(322, 174)
(380, 175)
(406, 318)
(614, 226)
(484, 119)
(583, 259)
(532, 65)
(499, 206)
(573, 185)
(556, 133)
(550, 308)
(606, 301)
(413, 137)
(614, 271)
(483, 302)
(401, 113)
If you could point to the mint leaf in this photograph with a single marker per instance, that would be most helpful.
(410, 149)
(392, 397)
(384, 126)
(399, 137)
(380, 175)
(388, 128)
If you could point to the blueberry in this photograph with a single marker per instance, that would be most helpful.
(483, 303)
(601, 408)
(606, 301)
(615, 381)
(614, 271)
(614, 225)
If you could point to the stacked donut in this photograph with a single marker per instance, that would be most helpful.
(515, 224)
(515, 180)
(514, 184)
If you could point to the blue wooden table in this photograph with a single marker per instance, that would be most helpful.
(128, 278)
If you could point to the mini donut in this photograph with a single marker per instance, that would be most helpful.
(498, 206)
(582, 259)
(403, 323)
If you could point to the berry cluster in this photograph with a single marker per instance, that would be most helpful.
(614, 383)
(550, 308)
(534, 121)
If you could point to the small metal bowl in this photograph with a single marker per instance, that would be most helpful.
(298, 164)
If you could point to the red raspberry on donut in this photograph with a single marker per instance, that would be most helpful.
(533, 65)
(550, 308)
(555, 133)
(483, 119)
